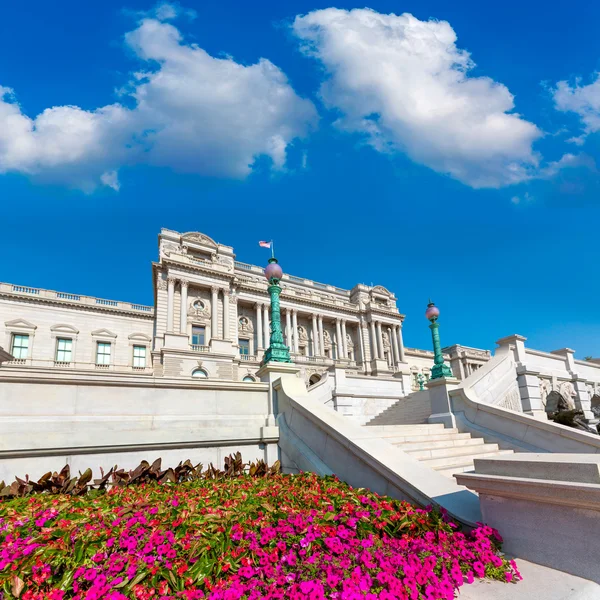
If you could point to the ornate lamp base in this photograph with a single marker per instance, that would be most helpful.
(277, 353)
(440, 371)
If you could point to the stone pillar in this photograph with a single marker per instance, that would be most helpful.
(400, 344)
(288, 329)
(226, 332)
(529, 390)
(295, 330)
(344, 339)
(315, 336)
(170, 303)
(214, 312)
(374, 348)
(441, 406)
(266, 328)
(183, 309)
(338, 339)
(321, 336)
(381, 353)
(394, 338)
(361, 342)
(259, 329)
(236, 333)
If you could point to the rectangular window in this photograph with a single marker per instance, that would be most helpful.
(198, 335)
(244, 346)
(64, 348)
(20, 345)
(103, 353)
(139, 356)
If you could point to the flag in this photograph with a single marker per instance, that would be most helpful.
(265, 244)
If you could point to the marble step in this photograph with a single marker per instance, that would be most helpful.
(412, 447)
(449, 451)
(406, 439)
(392, 429)
(463, 459)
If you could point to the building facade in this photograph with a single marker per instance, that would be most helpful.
(210, 320)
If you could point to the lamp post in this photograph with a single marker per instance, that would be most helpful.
(440, 369)
(277, 351)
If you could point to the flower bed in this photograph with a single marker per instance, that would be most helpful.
(295, 537)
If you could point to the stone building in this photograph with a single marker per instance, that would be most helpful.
(210, 320)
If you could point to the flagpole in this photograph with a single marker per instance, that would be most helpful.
(272, 249)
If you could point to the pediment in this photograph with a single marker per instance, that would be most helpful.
(379, 289)
(63, 328)
(199, 238)
(140, 337)
(104, 333)
(20, 324)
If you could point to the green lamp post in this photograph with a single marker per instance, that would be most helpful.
(277, 351)
(440, 369)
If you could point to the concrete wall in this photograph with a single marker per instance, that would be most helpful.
(90, 423)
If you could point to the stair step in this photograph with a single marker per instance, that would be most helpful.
(418, 448)
(460, 459)
(405, 439)
(450, 471)
(417, 428)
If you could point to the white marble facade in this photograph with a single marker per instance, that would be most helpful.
(210, 319)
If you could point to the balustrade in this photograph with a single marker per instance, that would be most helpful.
(199, 348)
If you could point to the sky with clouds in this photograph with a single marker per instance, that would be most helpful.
(443, 151)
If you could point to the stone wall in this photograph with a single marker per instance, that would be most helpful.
(45, 422)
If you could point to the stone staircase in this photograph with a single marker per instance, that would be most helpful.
(445, 450)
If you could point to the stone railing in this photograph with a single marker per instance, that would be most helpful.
(199, 348)
(248, 357)
(73, 299)
(316, 360)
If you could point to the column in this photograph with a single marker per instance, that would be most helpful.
(374, 346)
(394, 338)
(321, 336)
(344, 339)
(259, 329)
(400, 344)
(295, 330)
(380, 340)
(288, 329)
(266, 329)
(339, 349)
(226, 332)
(183, 307)
(170, 302)
(214, 313)
(315, 336)
(236, 334)
(363, 357)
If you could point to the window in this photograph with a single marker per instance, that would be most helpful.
(245, 347)
(20, 345)
(103, 353)
(198, 336)
(248, 378)
(64, 347)
(200, 374)
(139, 357)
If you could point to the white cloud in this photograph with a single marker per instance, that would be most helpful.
(583, 100)
(405, 85)
(193, 113)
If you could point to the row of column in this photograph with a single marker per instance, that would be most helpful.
(214, 323)
(291, 326)
(394, 335)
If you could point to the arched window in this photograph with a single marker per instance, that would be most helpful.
(248, 378)
(200, 374)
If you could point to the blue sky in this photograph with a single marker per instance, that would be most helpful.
(370, 146)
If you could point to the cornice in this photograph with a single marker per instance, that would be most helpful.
(76, 305)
